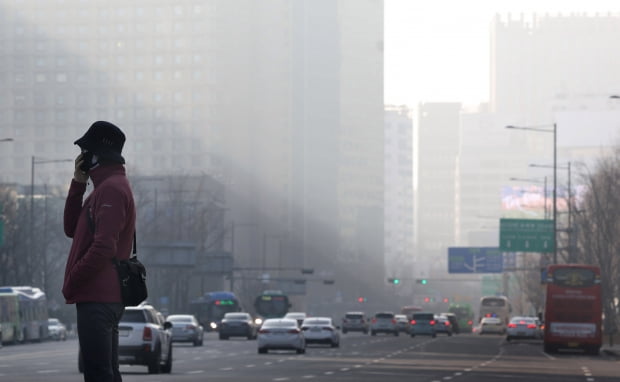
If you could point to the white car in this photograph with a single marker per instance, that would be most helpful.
(491, 325)
(321, 330)
(298, 316)
(281, 334)
(523, 328)
(57, 330)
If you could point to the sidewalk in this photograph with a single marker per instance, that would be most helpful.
(611, 350)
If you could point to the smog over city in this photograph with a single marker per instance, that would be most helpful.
(352, 155)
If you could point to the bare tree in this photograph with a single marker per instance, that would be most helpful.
(598, 231)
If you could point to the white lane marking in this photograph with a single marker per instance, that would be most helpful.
(250, 365)
(47, 371)
(328, 373)
(457, 374)
(268, 363)
(358, 366)
(308, 376)
(281, 379)
(195, 372)
(548, 356)
(344, 369)
(467, 370)
(227, 369)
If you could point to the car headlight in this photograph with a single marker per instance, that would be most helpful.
(258, 321)
(213, 325)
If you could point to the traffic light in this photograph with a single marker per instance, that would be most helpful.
(394, 281)
(446, 300)
(361, 299)
(422, 281)
(427, 299)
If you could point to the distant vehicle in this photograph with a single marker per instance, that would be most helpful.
(491, 325)
(238, 324)
(145, 339)
(280, 333)
(423, 323)
(320, 330)
(32, 308)
(464, 315)
(10, 323)
(210, 308)
(408, 310)
(355, 322)
(453, 322)
(402, 323)
(186, 328)
(383, 322)
(523, 328)
(272, 304)
(573, 308)
(57, 330)
(495, 306)
(443, 325)
(298, 316)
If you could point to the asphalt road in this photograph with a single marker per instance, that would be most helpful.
(361, 358)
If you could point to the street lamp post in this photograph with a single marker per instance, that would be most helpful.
(555, 178)
(569, 196)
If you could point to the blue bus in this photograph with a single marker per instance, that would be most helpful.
(31, 325)
(210, 308)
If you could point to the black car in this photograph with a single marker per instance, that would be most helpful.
(237, 324)
(453, 321)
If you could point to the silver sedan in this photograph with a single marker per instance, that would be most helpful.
(321, 330)
(280, 334)
(185, 328)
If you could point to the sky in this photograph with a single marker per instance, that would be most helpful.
(438, 50)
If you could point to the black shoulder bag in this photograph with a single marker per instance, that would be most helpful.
(132, 277)
(131, 273)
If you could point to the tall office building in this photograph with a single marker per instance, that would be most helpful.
(398, 173)
(436, 147)
(280, 101)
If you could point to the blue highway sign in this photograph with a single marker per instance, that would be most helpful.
(475, 260)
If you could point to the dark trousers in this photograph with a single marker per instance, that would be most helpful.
(97, 325)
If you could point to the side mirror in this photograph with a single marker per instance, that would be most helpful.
(167, 325)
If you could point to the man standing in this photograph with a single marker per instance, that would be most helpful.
(102, 228)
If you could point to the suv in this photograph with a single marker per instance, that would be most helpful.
(144, 338)
(355, 322)
(423, 324)
(383, 322)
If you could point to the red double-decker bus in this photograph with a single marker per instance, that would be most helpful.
(573, 309)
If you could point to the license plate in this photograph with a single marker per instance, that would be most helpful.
(123, 333)
(573, 344)
(315, 329)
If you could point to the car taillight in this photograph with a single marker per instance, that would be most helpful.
(374, 320)
(447, 323)
(412, 322)
(531, 326)
(190, 327)
(394, 322)
(512, 325)
(293, 331)
(432, 322)
(521, 322)
(328, 328)
(147, 334)
(263, 331)
(470, 322)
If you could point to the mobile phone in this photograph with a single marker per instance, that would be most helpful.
(87, 159)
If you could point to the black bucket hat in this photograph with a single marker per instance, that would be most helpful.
(105, 140)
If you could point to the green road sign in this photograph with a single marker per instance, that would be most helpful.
(526, 235)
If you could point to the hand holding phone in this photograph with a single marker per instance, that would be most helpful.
(79, 174)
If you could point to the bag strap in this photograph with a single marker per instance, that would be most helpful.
(134, 243)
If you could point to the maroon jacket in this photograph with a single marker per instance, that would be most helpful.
(90, 274)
